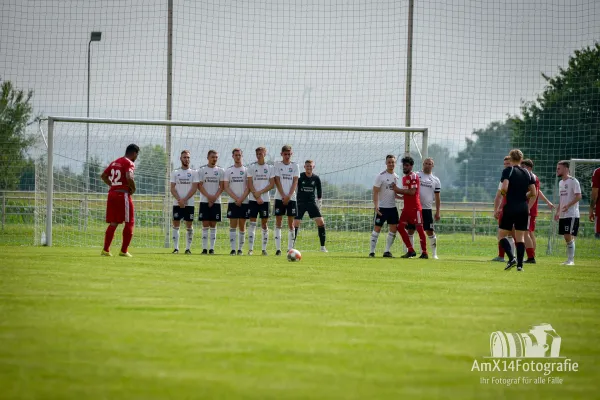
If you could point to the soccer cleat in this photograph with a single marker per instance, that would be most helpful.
(250, 252)
(499, 259)
(204, 251)
(211, 252)
(372, 255)
(106, 253)
(176, 251)
(530, 261)
(519, 268)
(232, 253)
(240, 253)
(264, 253)
(510, 264)
(424, 256)
(597, 235)
(409, 254)
(435, 257)
(323, 249)
(278, 253)
(188, 251)
(387, 254)
(569, 263)
(127, 254)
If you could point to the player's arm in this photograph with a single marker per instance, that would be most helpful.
(130, 182)
(408, 192)
(593, 201)
(278, 185)
(105, 179)
(319, 192)
(202, 190)
(294, 186)
(548, 202)
(180, 201)
(230, 192)
(376, 199)
(532, 194)
(438, 204)
(575, 200)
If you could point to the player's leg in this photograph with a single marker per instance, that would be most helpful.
(530, 240)
(392, 230)
(242, 228)
(291, 212)
(233, 223)
(402, 226)
(279, 211)
(177, 216)
(421, 231)
(108, 238)
(569, 228)
(501, 253)
(520, 245)
(189, 224)
(321, 232)
(264, 225)
(203, 217)
(298, 220)
(378, 221)
(128, 228)
(429, 231)
(252, 214)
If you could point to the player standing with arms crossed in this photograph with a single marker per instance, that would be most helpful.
(384, 201)
(518, 186)
(594, 203)
(183, 187)
(412, 214)
(286, 181)
(236, 185)
(567, 213)
(210, 184)
(309, 185)
(530, 243)
(119, 205)
(261, 179)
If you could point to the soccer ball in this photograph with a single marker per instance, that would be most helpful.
(294, 255)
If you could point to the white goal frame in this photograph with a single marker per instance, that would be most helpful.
(169, 123)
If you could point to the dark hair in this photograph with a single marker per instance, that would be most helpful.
(390, 156)
(132, 148)
(527, 162)
(407, 160)
(565, 163)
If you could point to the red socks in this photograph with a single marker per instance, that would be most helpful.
(127, 236)
(108, 236)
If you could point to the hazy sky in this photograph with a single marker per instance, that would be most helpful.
(317, 61)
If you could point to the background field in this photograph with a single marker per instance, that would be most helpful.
(337, 325)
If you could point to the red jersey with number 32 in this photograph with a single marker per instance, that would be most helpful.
(117, 173)
(411, 181)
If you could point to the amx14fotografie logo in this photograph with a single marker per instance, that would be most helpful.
(536, 351)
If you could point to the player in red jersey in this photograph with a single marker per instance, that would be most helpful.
(530, 243)
(412, 211)
(594, 203)
(119, 206)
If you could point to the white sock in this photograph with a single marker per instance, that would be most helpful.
(232, 237)
(251, 233)
(265, 237)
(571, 251)
(176, 238)
(204, 238)
(190, 238)
(390, 241)
(374, 237)
(213, 237)
(278, 238)
(291, 239)
(241, 239)
(513, 247)
(433, 244)
(412, 240)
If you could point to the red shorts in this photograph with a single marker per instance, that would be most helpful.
(531, 223)
(411, 217)
(119, 207)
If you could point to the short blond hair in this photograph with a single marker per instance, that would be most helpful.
(516, 155)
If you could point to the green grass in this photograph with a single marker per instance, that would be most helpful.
(338, 325)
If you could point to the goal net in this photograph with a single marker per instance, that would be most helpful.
(72, 211)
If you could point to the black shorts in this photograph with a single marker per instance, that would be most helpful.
(255, 209)
(235, 212)
(291, 210)
(389, 215)
(310, 208)
(427, 220)
(517, 216)
(568, 226)
(210, 213)
(186, 213)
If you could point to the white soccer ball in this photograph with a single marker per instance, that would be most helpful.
(294, 255)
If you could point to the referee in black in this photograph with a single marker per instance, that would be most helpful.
(518, 185)
(309, 185)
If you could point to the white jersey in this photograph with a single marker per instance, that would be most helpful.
(387, 196)
(184, 179)
(430, 184)
(568, 189)
(211, 178)
(286, 174)
(237, 178)
(261, 178)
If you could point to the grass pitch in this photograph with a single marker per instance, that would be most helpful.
(74, 325)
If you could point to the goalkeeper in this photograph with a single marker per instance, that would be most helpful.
(309, 198)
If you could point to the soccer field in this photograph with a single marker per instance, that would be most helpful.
(76, 325)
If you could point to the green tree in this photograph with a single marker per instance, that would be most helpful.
(151, 169)
(564, 121)
(15, 114)
(480, 163)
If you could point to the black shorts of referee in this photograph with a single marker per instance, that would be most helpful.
(516, 216)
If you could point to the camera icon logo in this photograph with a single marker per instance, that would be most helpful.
(541, 341)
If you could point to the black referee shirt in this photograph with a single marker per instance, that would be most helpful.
(519, 180)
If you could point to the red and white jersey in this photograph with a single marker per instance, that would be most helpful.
(117, 174)
(534, 209)
(412, 181)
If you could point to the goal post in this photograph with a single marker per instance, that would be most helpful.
(347, 159)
